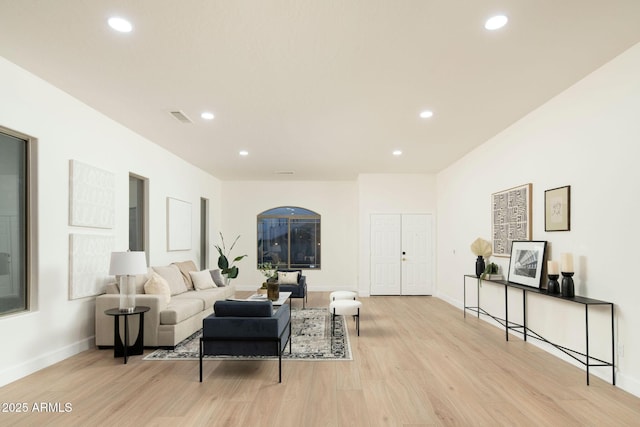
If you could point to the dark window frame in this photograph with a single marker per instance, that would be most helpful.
(307, 226)
(28, 238)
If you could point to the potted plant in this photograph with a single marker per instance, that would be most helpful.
(491, 272)
(228, 269)
(268, 270)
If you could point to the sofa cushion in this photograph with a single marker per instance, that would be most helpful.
(180, 309)
(207, 296)
(243, 309)
(111, 288)
(217, 278)
(172, 275)
(288, 277)
(202, 280)
(157, 285)
(185, 268)
(141, 279)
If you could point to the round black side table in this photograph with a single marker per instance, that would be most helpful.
(121, 349)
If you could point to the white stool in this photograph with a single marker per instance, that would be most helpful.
(345, 307)
(337, 295)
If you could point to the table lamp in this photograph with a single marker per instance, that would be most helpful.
(125, 266)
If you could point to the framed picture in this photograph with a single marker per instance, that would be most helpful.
(557, 209)
(92, 196)
(510, 218)
(527, 259)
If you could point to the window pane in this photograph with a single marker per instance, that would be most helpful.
(273, 237)
(13, 224)
(289, 237)
(305, 243)
(136, 214)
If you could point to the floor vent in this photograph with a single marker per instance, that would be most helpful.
(180, 116)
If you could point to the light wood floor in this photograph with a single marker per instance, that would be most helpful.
(416, 362)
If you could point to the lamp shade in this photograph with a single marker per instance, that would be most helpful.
(127, 263)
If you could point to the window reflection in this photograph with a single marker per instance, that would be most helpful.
(289, 237)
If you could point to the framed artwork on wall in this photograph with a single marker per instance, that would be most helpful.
(557, 209)
(510, 218)
(527, 259)
(92, 196)
(89, 256)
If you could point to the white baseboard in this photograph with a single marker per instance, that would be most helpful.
(45, 360)
(628, 384)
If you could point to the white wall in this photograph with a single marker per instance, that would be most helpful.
(587, 137)
(66, 129)
(389, 194)
(335, 201)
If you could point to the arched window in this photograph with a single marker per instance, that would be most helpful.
(289, 237)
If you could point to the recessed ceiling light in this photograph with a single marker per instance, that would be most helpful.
(496, 22)
(426, 114)
(397, 152)
(207, 115)
(243, 153)
(120, 24)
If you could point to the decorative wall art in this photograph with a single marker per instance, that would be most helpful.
(510, 218)
(557, 209)
(89, 257)
(91, 196)
(178, 225)
(527, 259)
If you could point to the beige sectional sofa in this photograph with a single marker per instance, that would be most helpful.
(179, 297)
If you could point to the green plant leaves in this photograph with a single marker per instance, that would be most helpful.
(227, 268)
(223, 263)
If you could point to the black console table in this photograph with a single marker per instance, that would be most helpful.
(583, 358)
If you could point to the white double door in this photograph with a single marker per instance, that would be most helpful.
(401, 254)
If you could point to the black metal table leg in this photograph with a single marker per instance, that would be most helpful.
(524, 313)
(478, 297)
(506, 313)
(586, 324)
(613, 351)
(464, 296)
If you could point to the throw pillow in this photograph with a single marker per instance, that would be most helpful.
(202, 279)
(288, 277)
(185, 268)
(172, 275)
(111, 288)
(157, 285)
(216, 275)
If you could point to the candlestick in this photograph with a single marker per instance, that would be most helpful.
(553, 287)
(567, 262)
(567, 285)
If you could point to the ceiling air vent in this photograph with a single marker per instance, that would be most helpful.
(284, 172)
(180, 116)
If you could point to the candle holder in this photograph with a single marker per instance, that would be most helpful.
(553, 287)
(567, 285)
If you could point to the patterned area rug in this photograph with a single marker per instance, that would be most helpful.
(312, 340)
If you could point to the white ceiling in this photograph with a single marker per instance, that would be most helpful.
(324, 88)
